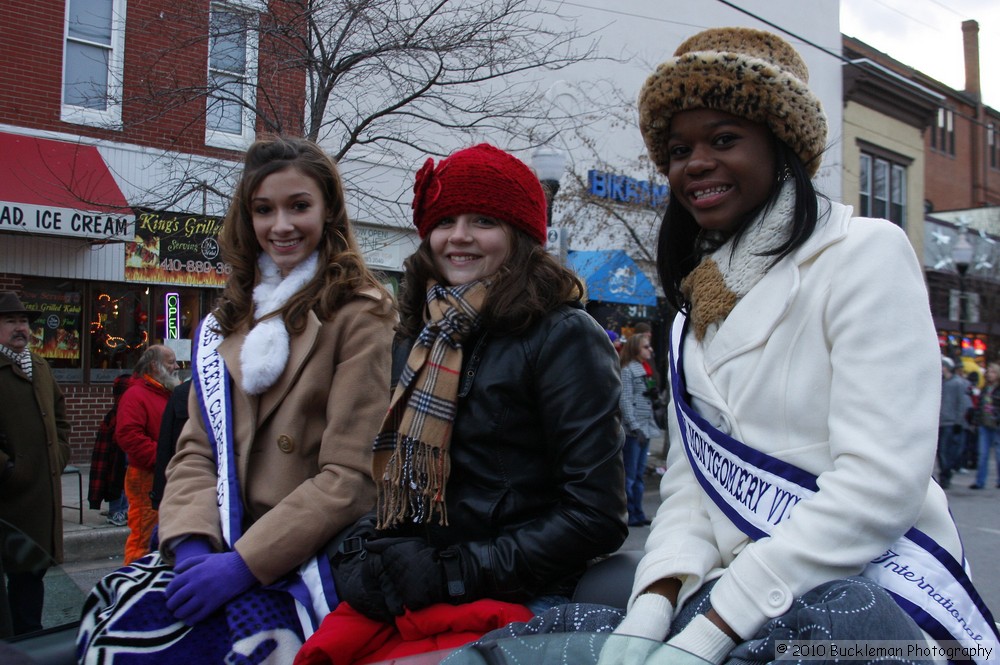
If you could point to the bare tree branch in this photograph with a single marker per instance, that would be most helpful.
(385, 81)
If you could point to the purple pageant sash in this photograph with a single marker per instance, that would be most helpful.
(312, 587)
(757, 491)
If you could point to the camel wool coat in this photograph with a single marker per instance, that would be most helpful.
(303, 447)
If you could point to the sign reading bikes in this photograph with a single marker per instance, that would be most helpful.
(176, 248)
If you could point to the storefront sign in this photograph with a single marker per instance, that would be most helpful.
(176, 248)
(382, 247)
(56, 332)
(48, 220)
(172, 314)
(623, 189)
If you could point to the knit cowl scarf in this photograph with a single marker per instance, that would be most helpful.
(727, 274)
(411, 462)
(266, 348)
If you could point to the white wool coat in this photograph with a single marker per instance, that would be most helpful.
(830, 363)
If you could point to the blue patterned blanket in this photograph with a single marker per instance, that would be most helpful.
(126, 622)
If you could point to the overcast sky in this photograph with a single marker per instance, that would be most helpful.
(927, 35)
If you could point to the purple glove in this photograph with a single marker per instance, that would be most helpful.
(205, 583)
(190, 547)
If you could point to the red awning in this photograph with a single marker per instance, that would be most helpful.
(57, 174)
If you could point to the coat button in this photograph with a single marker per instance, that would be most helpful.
(285, 443)
(775, 598)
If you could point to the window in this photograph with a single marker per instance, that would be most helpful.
(993, 146)
(882, 188)
(943, 134)
(119, 328)
(232, 78)
(865, 184)
(93, 62)
(897, 194)
(963, 306)
(57, 332)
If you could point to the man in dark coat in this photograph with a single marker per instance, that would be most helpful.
(33, 452)
(174, 417)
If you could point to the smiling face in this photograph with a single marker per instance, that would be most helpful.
(288, 213)
(469, 247)
(722, 167)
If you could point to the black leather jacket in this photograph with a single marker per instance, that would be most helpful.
(537, 485)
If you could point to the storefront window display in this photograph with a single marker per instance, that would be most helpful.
(57, 333)
(178, 313)
(119, 328)
(95, 331)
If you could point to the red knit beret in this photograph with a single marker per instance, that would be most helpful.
(480, 180)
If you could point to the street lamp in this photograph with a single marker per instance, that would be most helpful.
(549, 164)
(961, 255)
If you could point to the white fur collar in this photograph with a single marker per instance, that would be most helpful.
(265, 350)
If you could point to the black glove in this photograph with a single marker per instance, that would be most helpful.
(363, 585)
(360, 577)
(425, 575)
(6, 470)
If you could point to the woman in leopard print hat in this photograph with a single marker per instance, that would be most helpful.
(805, 389)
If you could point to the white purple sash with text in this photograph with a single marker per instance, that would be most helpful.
(757, 491)
(312, 588)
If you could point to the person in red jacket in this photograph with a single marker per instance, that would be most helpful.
(137, 431)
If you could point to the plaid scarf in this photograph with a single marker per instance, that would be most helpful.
(22, 360)
(411, 463)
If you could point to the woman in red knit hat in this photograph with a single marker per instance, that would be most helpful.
(498, 466)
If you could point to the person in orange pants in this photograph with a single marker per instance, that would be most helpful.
(137, 431)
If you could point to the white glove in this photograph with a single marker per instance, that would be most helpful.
(702, 638)
(649, 618)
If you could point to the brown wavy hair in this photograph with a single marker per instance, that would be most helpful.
(529, 284)
(343, 272)
(632, 348)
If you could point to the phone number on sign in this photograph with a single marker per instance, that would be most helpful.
(191, 266)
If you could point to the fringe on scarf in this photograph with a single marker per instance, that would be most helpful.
(414, 483)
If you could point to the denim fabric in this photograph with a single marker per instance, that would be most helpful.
(635, 455)
(119, 505)
(853, 608)
(568, 618)
(542, 604)
(989, 439)
(949, 444)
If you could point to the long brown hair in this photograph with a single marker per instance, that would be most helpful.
(632, 348)
(343, 271)
(529, 284)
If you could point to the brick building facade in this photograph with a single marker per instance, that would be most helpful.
(959, 165)
(120, 119)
